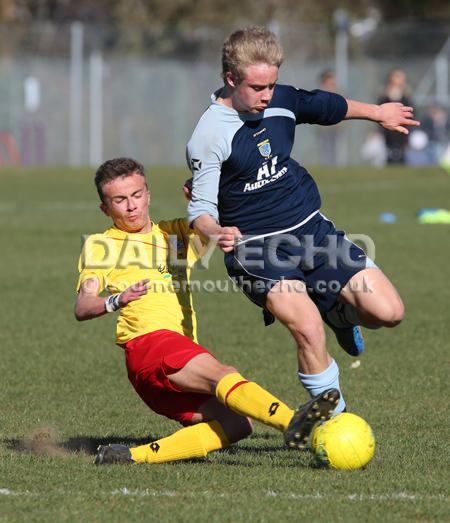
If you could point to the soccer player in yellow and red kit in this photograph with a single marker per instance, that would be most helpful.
(145, 268)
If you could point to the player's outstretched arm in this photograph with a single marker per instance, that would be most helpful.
(393, 116)
(90, 305)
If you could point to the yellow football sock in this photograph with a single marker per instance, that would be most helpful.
(195, 441)
(249, 399)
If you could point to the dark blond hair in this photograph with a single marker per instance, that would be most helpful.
(249, 46)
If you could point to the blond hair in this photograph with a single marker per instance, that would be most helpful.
(249, 46)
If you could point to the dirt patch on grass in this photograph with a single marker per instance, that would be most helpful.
(42, 441)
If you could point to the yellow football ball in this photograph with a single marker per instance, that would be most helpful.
(345, 442)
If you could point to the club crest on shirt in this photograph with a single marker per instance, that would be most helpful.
(264, 148)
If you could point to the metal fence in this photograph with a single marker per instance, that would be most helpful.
(73, 95)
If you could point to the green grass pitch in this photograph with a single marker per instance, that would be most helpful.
(65, 390)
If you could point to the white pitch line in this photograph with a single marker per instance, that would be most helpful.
(124, 491)
(398, 496)
(144, 493)
(8, 492)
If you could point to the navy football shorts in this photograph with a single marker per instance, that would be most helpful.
(315, 253)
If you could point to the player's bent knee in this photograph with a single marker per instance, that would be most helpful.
(396, 317)
(397, 312)
(392, 314)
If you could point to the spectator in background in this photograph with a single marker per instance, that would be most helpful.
(395, 90)
(328, 80)
(418, 152)
(373, 150)
(436, 124)
(328, 136)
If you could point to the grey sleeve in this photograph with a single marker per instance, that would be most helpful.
(204, 157)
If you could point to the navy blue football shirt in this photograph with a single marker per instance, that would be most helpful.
(243, 173)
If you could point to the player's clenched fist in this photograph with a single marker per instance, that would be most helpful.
(134, 292)
(187, 189)
(227, 238)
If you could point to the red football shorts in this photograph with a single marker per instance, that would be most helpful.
(150, 359)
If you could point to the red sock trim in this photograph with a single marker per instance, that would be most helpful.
(235, 386)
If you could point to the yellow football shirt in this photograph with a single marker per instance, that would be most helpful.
(165, 257)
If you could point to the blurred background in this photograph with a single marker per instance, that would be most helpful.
(84, 81)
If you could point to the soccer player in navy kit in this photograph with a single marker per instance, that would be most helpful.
(264, 208)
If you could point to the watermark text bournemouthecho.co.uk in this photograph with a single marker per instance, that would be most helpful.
(282, 253)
